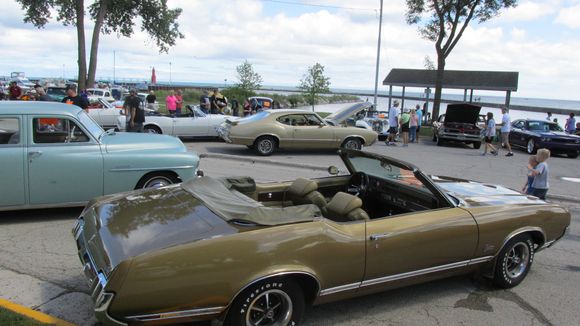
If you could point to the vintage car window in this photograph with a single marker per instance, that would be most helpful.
(519, 124)
(9, 131)
(198, 112)
(384, 170)
(293, 120)
(313, 120)
(51, 130)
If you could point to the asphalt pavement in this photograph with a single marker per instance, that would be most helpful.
(39, 267)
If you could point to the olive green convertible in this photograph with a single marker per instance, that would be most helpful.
(258, 254)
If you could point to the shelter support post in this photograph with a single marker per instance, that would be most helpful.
(403, 99)
(390, 95)
(471, 96)
(465, 95)
(508, 97)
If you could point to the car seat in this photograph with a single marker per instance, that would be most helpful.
(345, 207)
(303, 191)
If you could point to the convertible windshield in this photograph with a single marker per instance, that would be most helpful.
(198, 112)
(385, 170)
(90, 124)
(544, 126)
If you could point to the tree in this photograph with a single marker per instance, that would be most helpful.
(109, 16)
(248, 79)
(444, 21)
(428, 63)
(313, 83)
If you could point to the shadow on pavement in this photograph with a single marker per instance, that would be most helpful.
(36, 215)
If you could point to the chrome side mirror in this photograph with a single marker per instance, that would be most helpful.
(333, 170)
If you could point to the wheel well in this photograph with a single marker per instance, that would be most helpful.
(362, 140)
(168, 173)
(308, 284)
(537, 238)
(275, 139)
(152, 126)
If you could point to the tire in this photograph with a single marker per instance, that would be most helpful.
(476, 145)
(152, 130)
(265, 145)
(156, 180)
(352, 143)
(514, 261)
(572, 154)
(531, 146)
(274, 302)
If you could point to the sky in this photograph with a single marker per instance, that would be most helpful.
(282, 38)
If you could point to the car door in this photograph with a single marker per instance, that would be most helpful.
(516, 133)
(310, 132)
(12, 153)
(191, 126)
(65, 164)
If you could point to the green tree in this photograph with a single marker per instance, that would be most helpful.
(313, 83)
(109, 16)
(444, 21)
(248, 79)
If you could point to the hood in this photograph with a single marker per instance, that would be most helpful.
(557, 134)
(341, 115)
(462, 113)
(141, 142)
(129, 224)
(475, 194)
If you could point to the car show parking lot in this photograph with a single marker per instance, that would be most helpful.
(40, 267)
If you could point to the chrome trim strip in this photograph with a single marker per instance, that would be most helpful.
(178, 314)
(480, 260)
(153, 168)
(279, 274)
(341, 288)
(524, 230)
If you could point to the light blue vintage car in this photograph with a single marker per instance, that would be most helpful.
(55, 155)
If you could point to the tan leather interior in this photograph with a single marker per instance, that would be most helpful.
(345, 207)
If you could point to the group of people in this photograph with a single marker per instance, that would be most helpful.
(215, 102)
(408, 122)
(490, 131)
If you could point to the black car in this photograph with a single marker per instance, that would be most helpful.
(534, 134)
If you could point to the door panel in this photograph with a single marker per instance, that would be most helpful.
(61, 168)
(12, 151)
(190, 126)
(420, 240)
(308, 133)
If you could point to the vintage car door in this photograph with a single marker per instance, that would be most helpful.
(309, 131)
(194, 125)
(12, 152)
(65, 164)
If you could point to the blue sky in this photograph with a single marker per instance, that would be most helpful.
(281, 39)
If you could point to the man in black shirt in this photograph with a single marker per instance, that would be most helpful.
(151, 98)
(75, 99)
(135, 114)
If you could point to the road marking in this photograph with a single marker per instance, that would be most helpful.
(571, 179)
(36, 315)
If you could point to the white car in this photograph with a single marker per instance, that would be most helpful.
(142, 98)
(192, 123)
(105, 94)
(104, 113)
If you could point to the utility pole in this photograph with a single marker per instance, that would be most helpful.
(378, 56)
(114, 65)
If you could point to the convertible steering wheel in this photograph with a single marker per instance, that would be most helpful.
(359, 184)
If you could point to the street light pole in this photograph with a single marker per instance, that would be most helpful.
(114, 65)
(170, 73)
(378, 56)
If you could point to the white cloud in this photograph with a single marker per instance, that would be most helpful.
(531, 10)
(569, 16)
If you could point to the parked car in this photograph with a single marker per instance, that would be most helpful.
(57, 93)
(104, 113)
(289, 128)
(261, 103)
(55, 155)
(100, 93)
(192, 123)
(142, 98)
(231, 249)
(460, 123)
(532, 135)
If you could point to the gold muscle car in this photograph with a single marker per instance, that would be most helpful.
(258, 254)
(288, 128)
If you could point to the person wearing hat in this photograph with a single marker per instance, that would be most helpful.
(41, 94)
(393, 123)
(134, 112)
(14, 91)
(75, 99)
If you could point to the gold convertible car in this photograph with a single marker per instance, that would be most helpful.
(259, 254)
(290, 128)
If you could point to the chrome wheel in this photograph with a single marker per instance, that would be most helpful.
(157, 182)
(517, 260)
(152, 130)
(352, 144)
(265, 146)
(272, 307)
(531, 146)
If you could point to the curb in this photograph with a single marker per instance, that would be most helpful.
(320, 168)
(264, 161)
(33, 314)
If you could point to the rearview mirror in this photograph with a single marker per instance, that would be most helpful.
(333, 170)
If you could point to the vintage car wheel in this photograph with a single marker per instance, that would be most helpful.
(476, 145)
(269, 302)
(531, 147)
(156, 180)
(265, 145)
(152, 130)
(573, 154)
(352, 143)
(514, 261)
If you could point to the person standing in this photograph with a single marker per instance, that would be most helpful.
(204, 103)
(570, 126)
(532, 163)
(41, 94)
(393, 123)
(135, 114)
(178, 102)
(549, 116)
(489, 133)
(404, 123)
(171, 103)
(14, 91)
(75, 99)
(151, 99)
(505, 131)
(540, 185)
(419, 114)
(413, 123)
(235, 106)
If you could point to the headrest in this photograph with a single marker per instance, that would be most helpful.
(342, 204)
(301, 187)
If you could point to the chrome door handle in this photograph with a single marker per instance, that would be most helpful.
(379, 236)
(34, 153)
